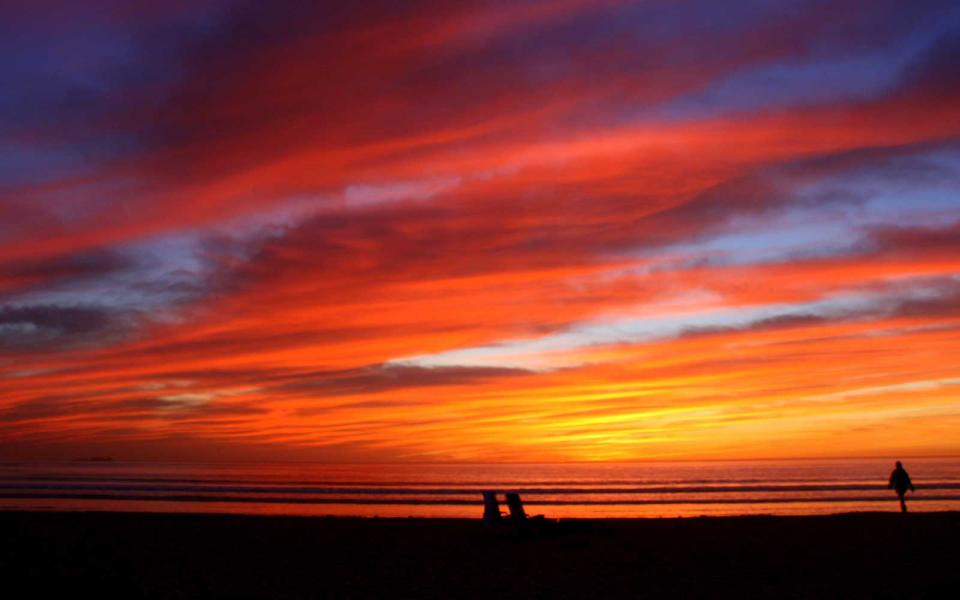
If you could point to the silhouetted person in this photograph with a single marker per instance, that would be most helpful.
(491, 509)
(900, 481)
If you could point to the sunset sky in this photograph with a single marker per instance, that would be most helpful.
(479, 231)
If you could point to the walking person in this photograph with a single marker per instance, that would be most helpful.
(900, 481)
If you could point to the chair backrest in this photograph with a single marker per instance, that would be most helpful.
(516, 506)
(491, 509)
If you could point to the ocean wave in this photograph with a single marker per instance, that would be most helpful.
(290, 489)
(201, 498)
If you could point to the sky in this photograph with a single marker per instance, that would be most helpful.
(504, 231)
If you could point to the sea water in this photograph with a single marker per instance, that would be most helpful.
(589, 490)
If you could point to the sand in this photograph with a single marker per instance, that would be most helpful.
(132, 555)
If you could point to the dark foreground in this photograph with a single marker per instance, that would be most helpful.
(204, 556)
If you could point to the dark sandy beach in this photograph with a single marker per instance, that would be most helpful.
(201, 556)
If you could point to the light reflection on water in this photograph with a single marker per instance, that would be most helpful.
(444, 490)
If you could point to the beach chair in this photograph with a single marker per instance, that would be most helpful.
(491, 510)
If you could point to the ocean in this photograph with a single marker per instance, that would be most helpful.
(588, 490)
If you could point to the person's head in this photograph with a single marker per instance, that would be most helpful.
(899, 465)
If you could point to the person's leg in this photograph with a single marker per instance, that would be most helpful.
(903, 502)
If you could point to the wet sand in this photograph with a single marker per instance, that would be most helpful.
(865, 555)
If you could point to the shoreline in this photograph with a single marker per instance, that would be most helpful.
(183, 555)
